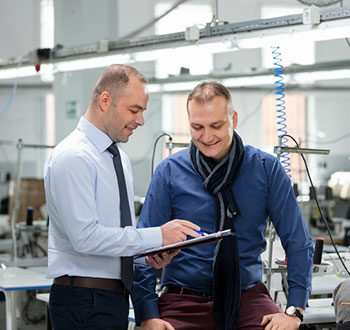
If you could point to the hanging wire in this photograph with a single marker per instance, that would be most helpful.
(152, 22)
(154, 149)
(12, 94)
(280, 104)
(317, 203)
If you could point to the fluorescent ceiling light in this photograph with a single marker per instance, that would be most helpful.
(330, 29)
(21, 72)
(125, 58)
(264, 80)
(310, 77)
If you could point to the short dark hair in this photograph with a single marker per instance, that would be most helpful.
(114, 79)
(207, 90)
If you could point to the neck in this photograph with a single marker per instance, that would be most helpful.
(92, 117)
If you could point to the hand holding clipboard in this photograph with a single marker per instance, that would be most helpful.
(214, 237)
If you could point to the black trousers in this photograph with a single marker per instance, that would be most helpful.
(91, 309)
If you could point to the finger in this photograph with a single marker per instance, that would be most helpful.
(166, 258)
(266, 319)
(153, 262)
(172, 254)
(190, 232)
(168, 326)
(269, 326)
(182, 236)
(189, 224)
(158, 259)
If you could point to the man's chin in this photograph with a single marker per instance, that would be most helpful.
(207, 153)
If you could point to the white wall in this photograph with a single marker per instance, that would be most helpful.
(19, 27)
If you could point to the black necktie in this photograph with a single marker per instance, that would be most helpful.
(125, 216)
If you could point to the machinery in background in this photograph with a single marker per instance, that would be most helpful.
(334, 199)
(313, 217)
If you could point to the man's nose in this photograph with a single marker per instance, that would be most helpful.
(140, 120)
(207, 135)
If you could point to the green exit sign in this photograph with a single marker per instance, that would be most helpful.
(72, 110)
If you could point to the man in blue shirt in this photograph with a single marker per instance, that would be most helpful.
(218, 183)
(90, 205)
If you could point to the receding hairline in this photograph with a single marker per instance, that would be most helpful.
(206, 91)
(114, 79)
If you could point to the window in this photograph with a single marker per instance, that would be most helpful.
(174, 112)
(295, 121)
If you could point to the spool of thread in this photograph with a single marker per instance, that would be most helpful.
(318, 251)
(29, 216)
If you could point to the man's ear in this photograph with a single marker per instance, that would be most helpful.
(105, 101)
(235, 119)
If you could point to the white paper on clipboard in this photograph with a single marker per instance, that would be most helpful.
(214, 237)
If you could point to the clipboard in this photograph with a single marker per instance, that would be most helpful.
(214, 237)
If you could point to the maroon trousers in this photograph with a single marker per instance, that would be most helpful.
(190, 312)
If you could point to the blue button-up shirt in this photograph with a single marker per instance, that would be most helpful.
(82, 195)
(262, 189)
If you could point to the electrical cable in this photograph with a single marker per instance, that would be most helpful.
(280, 104)
(152, 22)
(154, 149)
(12, 94)
(317, 203)
(10, 98)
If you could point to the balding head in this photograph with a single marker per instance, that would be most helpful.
(114, 80)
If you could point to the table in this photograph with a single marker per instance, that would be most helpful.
(321, 311)
(325, 284)
(13, 279)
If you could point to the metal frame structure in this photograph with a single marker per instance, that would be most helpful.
(279, 150)
(16, 204)
(228, 32)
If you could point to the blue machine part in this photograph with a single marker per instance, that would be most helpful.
(280, 105)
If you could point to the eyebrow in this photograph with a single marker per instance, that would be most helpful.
(215, 123)
(137, 106)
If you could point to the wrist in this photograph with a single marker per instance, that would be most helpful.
(294, 311)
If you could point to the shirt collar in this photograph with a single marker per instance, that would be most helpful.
(100, 139)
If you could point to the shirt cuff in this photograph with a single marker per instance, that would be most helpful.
(297, 297)
(151, 237)
(140, 261)
(146, 311)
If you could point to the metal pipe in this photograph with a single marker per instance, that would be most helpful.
(16, 202)
(280, 150)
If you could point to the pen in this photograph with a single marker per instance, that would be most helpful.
(201, 232)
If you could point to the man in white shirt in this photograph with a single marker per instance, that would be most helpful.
(89, 237)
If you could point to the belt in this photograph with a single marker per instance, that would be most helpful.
(180, 290)
(92, 283)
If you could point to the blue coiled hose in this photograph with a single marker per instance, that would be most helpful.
(280, 105)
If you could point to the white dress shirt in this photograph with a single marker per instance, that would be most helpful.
(82, 196)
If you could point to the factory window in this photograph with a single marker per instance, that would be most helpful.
(175, 108)
(290, 45)
(296, 126)
(177, 21)
(174, 112)
(289, 49)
